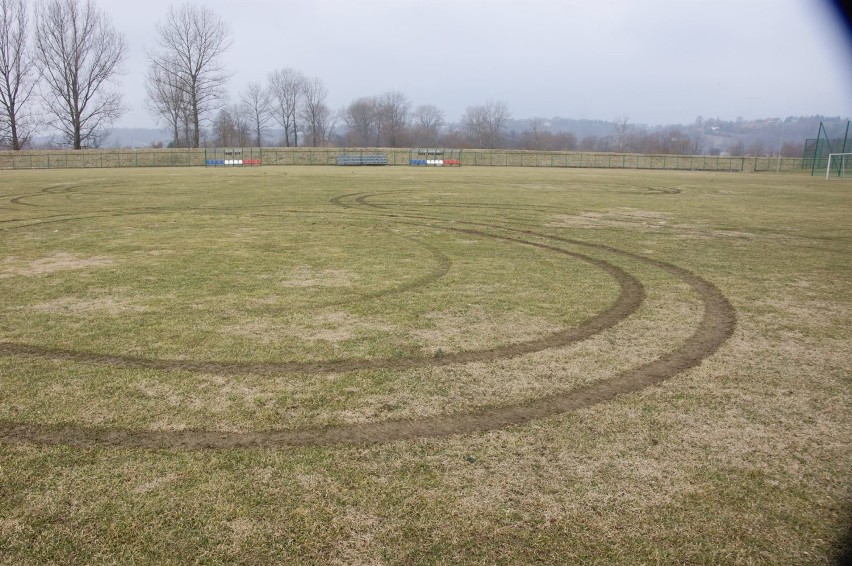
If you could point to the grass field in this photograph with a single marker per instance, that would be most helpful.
(418, 366)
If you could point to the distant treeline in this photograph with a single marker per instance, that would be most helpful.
(60, 64)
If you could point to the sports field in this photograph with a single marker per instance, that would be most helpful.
(402, 365)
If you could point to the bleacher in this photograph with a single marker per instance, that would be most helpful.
(362, 159)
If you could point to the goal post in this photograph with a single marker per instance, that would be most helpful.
(833, 137)
(837, 164)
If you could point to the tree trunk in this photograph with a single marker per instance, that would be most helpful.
(13, 125)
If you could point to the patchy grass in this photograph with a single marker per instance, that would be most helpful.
(195, 300)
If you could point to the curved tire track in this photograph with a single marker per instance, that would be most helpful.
(630, 298)
(716, 326)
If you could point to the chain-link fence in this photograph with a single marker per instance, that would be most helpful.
(111, 158)
(96, 158)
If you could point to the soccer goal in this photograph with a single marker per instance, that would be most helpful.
(837, 164)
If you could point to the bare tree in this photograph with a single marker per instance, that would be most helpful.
(316, 114)
(393, 111)
(362, 128)
(696, 133)
(485, 124)
(428, 121)
(193, 40)
(287, 88)
(168, 100)
(737, 148)
(791, 149)
(257, 106)
(18, 75)
(589, 143)
(232, 127)
(80, 54)
(474, 123)
(756, 149)
(534, 137)
(622, 128)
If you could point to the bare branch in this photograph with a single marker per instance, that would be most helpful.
(80, 54)
(393, 114)
(231, 127)
(485, 124)
(316, 113)
(192, 40)
(287, 88)
(428, 121)
(168, 101)
(18, 76)
(257, 105)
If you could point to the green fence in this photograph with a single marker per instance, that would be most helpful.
(97, 158)
(831, 138)
(510, 158)
(43, 159)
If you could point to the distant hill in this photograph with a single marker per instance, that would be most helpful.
(580, 128)
(136, 137)
(710, 135)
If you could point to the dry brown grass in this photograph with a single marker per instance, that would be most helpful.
(741, 459)
(58, 262)
(308, 277)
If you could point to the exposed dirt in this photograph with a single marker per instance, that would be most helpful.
(663, 190)
(625, 219)
(58, 262)
(716, 326)
(49, 190)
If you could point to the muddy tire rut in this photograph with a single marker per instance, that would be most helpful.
(715, 327)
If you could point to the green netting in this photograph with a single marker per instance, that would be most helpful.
(832, 138)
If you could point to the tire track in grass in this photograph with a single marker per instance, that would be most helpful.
(631, 296)
(715, 328)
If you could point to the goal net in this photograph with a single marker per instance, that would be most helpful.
(838, 164)
(833, 137)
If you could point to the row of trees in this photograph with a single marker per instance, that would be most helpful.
(59, 63)
(60, 60)
(186, 82)
(292, 101)
(58, 70)
(295, 104)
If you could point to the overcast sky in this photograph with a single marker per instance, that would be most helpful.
(657, 61)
